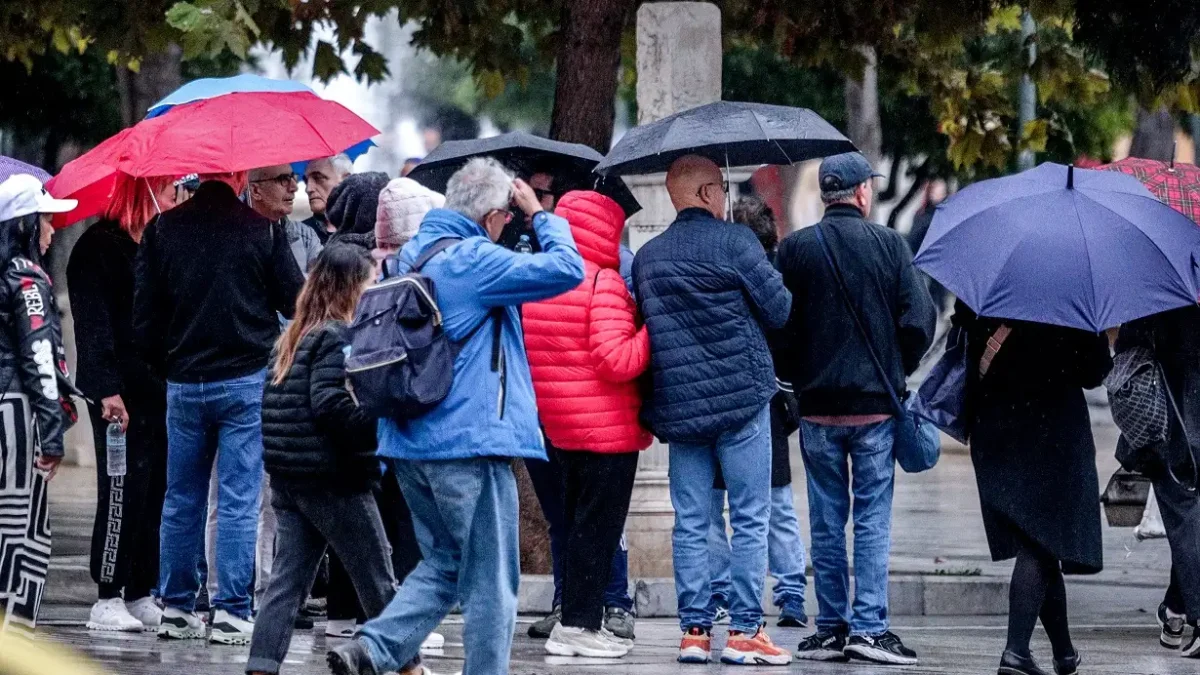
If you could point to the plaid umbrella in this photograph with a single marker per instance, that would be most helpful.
(12, 167)
(1176, 185)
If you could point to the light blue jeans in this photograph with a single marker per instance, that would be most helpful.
(465, 517)
(202, 418)
(745, 458)
(785, 553)
(840, 461)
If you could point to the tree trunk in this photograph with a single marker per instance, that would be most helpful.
(1154, 135)
(159, 75)
(589, 56)
(862, 109)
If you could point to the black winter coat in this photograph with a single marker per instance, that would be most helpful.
(1031, 439)
(313, 432)
(821, 350)
(100, 273)
(708, 295)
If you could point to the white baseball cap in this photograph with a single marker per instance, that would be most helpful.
(23, 194)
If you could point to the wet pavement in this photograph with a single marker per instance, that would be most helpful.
(959, 646)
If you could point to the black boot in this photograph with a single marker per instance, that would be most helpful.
(1067, 666)
(1012, 663)
(350, 658)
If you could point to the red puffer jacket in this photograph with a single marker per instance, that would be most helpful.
(585, 347)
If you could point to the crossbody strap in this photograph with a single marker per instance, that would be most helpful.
(862, 329)
(994, 343)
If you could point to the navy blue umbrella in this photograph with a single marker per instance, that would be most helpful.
(1063, 246)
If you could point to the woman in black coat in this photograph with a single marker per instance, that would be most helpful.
(1035, 464)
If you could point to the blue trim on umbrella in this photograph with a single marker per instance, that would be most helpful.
(353, 152)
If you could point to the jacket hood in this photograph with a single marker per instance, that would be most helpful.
(402, 205)
(440, 223)
(596, 223)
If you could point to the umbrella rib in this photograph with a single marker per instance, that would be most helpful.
(1088, 252)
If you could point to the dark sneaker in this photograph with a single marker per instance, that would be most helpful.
(882, 648)
(619, 622)
(793, 620)
(542, 629)
(350, 658)
(1173, 625)
(824, 645)
(1012, 663)
(1192, 649)
(1068, 666)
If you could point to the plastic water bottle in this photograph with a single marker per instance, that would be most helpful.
(116, 449)
(523, 245)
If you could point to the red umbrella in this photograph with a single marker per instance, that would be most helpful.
(231, 133)
(1176, 185)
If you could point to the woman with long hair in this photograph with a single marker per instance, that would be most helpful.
(319, 450)
(125, 390)
(32, 366)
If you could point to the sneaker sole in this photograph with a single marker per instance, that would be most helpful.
(693, 655)
(734, 657)
(237, 639)
(182, 634)
(92, 625)
(340, 636)
(1190, 654)
(879, 656)
(1170, 641)
(561, 649)
(825, 655)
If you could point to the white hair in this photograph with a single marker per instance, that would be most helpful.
(483, 185)
(839, 196)
(340, 163)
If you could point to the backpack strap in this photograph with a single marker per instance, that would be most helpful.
(994, 343)
(432, 250)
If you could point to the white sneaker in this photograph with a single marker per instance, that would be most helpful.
(340, 628)
(228, 629)
(434, 641)
(180, 625)
(613, 637)
(111, 615)
(147, 611)
(573, 641)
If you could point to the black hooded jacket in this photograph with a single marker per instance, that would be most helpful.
(32, 359)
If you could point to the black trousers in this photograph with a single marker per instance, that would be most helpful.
(124, 556)
(596, 488)
(1181, 518)
(405, 552)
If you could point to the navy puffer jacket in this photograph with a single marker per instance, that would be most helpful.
(708, 294)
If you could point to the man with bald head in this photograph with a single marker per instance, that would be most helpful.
(709, 296)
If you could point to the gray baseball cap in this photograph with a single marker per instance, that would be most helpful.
(844, 171)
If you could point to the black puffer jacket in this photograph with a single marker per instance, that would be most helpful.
(313, 432)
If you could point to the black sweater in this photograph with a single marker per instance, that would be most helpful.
(100, 275)
(210, 276)
(821, 350)
(313, 432)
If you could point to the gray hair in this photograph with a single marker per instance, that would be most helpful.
(340, 163)
(483, 185)
(839, 196)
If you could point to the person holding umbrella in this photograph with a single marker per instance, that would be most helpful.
(709, 295)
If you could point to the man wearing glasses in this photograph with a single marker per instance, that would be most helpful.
(273, 195)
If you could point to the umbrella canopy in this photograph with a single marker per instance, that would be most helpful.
(570, 163)
(730, 134)
(1176, 185)
(212, 87)
(1063, 246)
(12, 167)
(231, 133)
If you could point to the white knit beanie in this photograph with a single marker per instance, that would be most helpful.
(403, 202)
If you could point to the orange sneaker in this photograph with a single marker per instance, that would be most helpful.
(695, 646)
(757, 650)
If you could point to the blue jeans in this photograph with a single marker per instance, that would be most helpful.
(465, 516)
(785, 554)
(547, 480)
(207, 420)
(745, 458)
(870, 477)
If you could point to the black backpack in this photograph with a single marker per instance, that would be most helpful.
(401, 363)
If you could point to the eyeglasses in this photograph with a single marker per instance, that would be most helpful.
(282, 180)
(542, 194)
(508, 215)
(723, 184)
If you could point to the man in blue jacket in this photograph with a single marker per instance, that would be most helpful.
(709, 295)
(453, 464)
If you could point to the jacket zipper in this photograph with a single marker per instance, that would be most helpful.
(378, 365)
(501, 399)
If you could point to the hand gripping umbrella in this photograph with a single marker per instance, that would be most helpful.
(1063, 246)
(571, 163)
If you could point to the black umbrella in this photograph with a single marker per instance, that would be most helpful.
(729, 133)
(571, 164)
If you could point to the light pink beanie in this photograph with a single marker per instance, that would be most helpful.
(402, 205)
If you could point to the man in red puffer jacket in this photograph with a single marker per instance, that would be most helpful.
(586, 351)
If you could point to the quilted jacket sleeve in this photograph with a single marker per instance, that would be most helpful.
(620, 350)
(771, 300)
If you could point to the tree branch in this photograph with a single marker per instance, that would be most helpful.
(919, 177)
